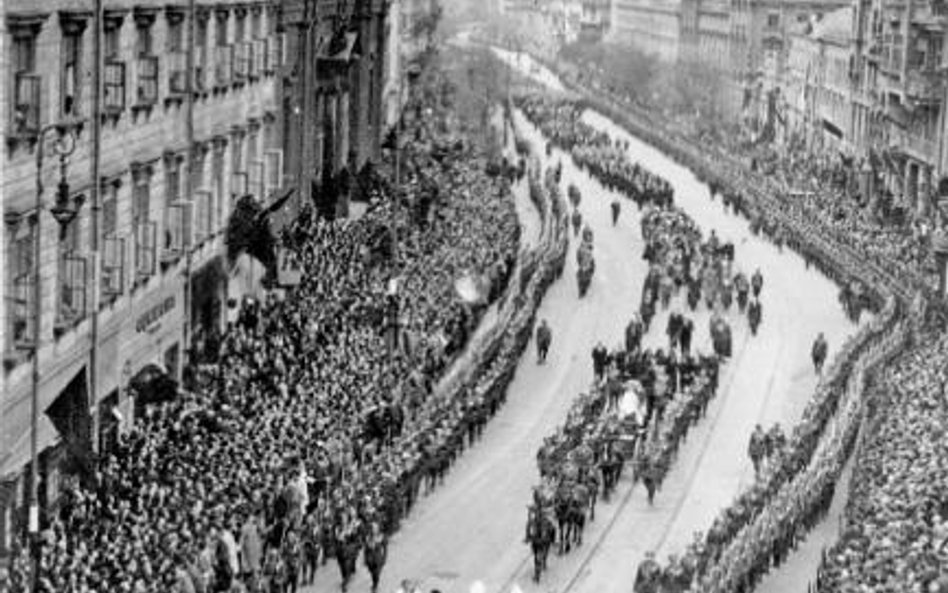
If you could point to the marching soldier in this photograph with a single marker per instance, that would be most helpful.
(757, 282)
(544, 339)
(818, 353)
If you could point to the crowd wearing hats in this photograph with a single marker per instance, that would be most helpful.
(274, 466)
(896, 522)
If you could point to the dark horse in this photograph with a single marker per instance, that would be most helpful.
(541, 535)
(571, 504)
(375, 554)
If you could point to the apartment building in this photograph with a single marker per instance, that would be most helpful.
(332, 99)
(899, 71)
(819, 84)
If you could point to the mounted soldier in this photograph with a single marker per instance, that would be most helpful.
(754, 314)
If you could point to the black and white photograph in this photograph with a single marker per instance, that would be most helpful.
(474, 296)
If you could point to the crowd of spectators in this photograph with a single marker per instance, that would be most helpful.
(896, 522)
(273, 466)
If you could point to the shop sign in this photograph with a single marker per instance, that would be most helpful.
(149, 321)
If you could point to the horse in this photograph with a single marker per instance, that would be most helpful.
(541, 535)
(571, 504)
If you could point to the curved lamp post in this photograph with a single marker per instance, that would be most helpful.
(64, 210)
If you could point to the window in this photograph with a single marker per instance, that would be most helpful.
(113, 75)
(71, 83)
(223, 54)
(109, 208)
(201, 197)
(144, 40)
(200, 53)
(255, 24)
(72, 277)
(144, 229)
(773, 20)
(19, 289)
(240, 28)
(175, 32)
(172, 179)
(221, 31)
(25, 114)
(177, 59)
(147, 66)
(111, 40)
(113, 253)
(217, 181)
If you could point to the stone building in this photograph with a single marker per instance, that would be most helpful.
(899, 70)
(332, 98)
(128, 230)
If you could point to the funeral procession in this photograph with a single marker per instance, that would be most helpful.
(474, 296)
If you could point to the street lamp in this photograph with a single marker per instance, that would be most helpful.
(64, 211)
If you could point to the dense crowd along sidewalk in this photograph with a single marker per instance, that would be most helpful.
(896, 523)
(315, 433)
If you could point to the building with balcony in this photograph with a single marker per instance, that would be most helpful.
(819, 83)
(126, 236)
(332, 96)
(902, 62)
